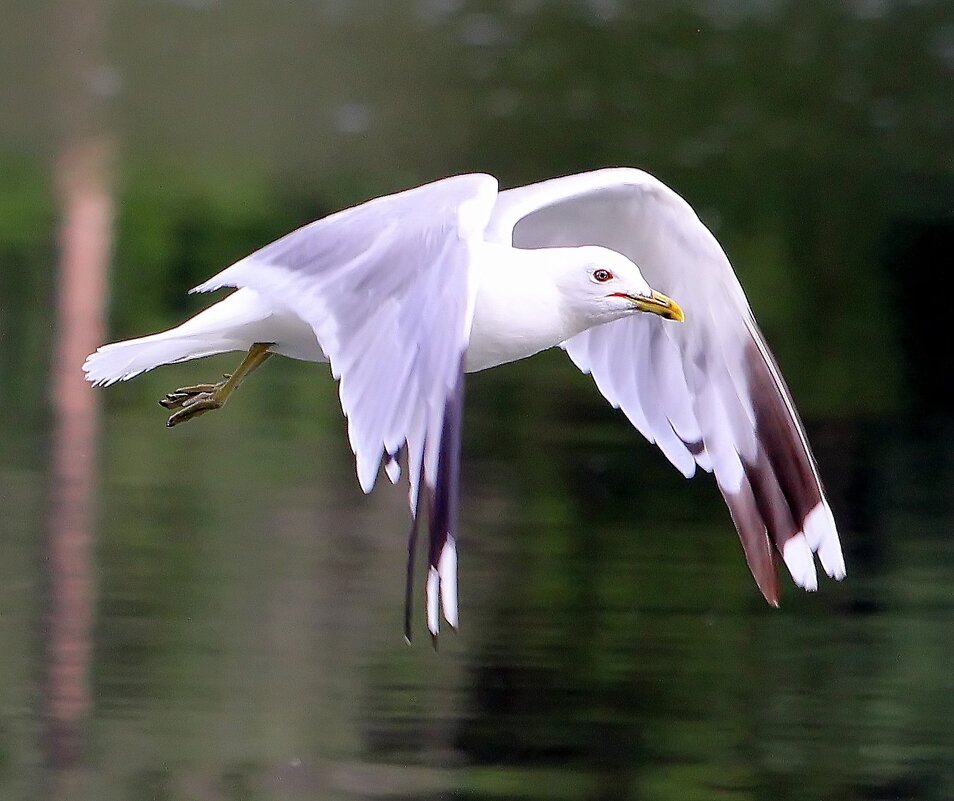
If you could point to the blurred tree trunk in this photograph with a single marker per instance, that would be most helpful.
(82, 180)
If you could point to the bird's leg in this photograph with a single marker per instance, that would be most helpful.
(201, 398)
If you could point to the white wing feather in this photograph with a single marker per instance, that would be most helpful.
(389, 291)
(361, 279)
(707, 392)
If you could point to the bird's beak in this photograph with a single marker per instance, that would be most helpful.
(658, 303)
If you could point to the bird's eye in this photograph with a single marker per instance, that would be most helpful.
(602, 276)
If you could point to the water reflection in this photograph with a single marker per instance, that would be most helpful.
(249, 636)
(612, 646)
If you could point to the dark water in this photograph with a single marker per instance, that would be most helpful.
(247, 640)
(227, 623)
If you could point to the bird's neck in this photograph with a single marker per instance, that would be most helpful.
(519, 309)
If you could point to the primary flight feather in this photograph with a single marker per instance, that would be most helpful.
(405, 293)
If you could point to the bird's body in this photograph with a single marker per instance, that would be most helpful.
(406, 292)
(516, 314)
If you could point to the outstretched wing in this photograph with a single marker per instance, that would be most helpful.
(707, 392)
(388, 289)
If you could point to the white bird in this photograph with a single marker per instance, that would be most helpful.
(405, 293)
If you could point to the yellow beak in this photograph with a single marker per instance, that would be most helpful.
(658, 303)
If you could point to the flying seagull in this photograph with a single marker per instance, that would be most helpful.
(406, 293)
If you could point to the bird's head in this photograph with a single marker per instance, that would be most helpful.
(601, 285)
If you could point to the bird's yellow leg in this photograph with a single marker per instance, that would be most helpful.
(201, 398)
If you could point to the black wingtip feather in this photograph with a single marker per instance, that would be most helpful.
(781, 485)
(761, 557)
(422, 501)
(443, 520)
(788, 472)
(409, 581)
(438, 499)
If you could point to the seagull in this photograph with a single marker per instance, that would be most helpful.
(405, 294)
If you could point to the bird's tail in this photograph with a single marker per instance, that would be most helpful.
(222, 327)
(123, 360)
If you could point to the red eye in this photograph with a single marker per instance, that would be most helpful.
(602, 276)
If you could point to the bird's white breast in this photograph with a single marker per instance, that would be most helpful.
(518, 309)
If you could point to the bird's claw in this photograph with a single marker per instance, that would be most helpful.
(194, 401)
(193, 406)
